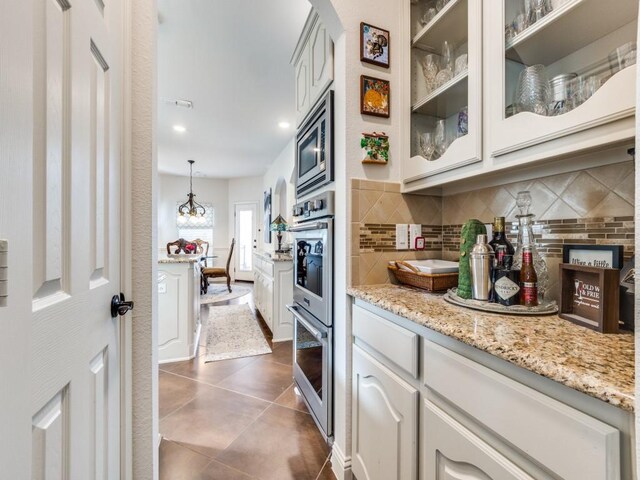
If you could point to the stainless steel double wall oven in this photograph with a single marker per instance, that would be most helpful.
(313, 307)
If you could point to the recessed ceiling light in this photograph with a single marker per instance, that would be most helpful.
(179, 128)
(284, 125)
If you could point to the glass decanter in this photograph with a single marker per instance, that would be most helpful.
(526, 238)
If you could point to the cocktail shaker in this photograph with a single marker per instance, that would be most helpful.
(481, 263)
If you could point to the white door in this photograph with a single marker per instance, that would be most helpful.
(61, 97)
(245, 215)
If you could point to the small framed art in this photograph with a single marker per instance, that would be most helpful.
(374, 45)
(602, 256)
(375, 96)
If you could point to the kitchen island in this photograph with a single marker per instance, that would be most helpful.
(504, 396)
(178, 308)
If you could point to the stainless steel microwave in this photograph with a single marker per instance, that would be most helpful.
(314, 148)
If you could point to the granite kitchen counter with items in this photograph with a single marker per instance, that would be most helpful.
(599, 365)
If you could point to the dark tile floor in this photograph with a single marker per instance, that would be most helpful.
(238, 419)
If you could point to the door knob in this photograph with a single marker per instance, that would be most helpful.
(119, 306)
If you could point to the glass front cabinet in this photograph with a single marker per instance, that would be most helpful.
(446, 87)
(554, 77)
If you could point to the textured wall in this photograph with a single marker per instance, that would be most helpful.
(143, 161)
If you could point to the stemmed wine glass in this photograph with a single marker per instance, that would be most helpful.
(440, 138)
(427, 146)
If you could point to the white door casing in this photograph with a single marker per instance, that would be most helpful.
(63, 141)
(245, 246)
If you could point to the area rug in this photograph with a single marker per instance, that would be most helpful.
(232, 331)
(219, 293)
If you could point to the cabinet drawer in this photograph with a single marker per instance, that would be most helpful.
(567, 442)
(395, 343)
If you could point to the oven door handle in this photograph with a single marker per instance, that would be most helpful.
(318, 335)
(309, 226)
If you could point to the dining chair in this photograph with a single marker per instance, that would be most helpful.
(218, 272)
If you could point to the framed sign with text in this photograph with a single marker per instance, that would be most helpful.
(601, 256)
(590, 296)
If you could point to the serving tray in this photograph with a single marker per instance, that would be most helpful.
(547, 308)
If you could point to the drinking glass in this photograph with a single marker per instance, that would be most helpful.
(429, 13)
(427, 146)
(447, 55)
(622, 57)
(461, 63)
(440, 138)
(532, 90)
(463, 122)
(430, 71)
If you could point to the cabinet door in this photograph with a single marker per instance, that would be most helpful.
(590, 99)
(455, 105)
(303, 85)
(268, 293)
(451, 452)
(320, 61)
(385, 422)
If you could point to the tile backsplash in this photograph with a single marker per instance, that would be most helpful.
(593, 206)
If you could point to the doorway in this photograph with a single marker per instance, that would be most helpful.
(245, 220)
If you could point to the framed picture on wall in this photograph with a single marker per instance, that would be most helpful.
(267, 216)
(374, 45)
(374, 96)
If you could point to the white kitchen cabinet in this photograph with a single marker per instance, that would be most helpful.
(577, 36)
(460, 24)
(452, 452)
(178, 310)
(475, 422)
(385, 422)
(313, 65)
(273, 290)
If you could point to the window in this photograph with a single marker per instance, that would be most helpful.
(192, 228)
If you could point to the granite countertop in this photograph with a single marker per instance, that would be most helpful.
(599, 365)
(178, 260)
(275, 257)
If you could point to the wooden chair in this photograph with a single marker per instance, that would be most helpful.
(217, 272)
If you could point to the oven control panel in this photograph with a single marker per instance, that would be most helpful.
(315, 207)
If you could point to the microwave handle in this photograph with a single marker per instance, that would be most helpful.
(309, 226)
(314, 331)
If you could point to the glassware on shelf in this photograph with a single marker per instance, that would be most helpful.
(461, 63)
(440, 138)
(447, 55)
(622, 57)
(429, 13)
(446, 64)
(430, 71)
(443, 77)
(561, 92)
(526, 239)
(427, 146)
(532, 91)
(440, 4)
(463, 122)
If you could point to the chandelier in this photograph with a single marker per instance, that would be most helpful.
(191, 208)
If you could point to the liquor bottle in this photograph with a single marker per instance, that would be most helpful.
(498, 267)
(507, 285)
(528, 279)
(500, 238)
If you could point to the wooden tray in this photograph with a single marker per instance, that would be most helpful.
(548, 308)
(431, 282)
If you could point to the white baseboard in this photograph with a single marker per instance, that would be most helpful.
(340, 464)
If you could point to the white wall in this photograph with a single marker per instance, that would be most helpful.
(282, 167)
(173, 189)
